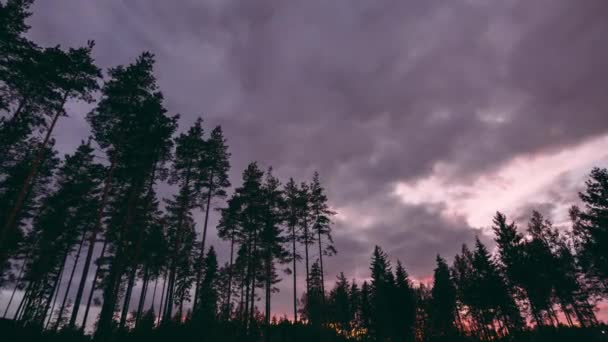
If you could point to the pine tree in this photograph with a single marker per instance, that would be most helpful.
(493, 299)
(131, 123)
(10, 185)
(72, 76)
(307, 238)
(366, 310)
(206, 312)
(321, 221)
(188, 176)
(216, 165)
(592, 230)
(293, 216)
(382, 291)
(443, 303)
(65, 219)
(230, 228)
(403, 306)
(314, 307)
(538, 280)
(340, 309)
(271, 236)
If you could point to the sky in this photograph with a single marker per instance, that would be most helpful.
(423, 117)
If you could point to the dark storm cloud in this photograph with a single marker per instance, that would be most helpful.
(366, 92)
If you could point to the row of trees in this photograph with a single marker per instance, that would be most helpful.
(540, 277)
(92, 220)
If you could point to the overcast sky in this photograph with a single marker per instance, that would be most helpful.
(423, 117)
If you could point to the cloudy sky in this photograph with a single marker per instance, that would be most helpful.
(423, 117)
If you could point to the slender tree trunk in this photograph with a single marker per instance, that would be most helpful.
(566, 312)
(91, 249)
(127, 301)
(181, 306)
(142, 296)
(116, 271)
(67, 290)
(56, 286)
(253, 273)
(162, 299)
(154, 294)
(22, 303)
(8, 305)
(172, 269)
(136, 258)
(247, 280)
(268, 291)
(227, 305)
(242, 297)
(93, 284)
(202, 256)
(295, 291)
(321, 265)
(9, 224)
(306, 256)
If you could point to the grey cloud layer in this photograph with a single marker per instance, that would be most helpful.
(367, 92)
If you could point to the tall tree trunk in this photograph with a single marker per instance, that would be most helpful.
(91, 249)
(295, 291)
(181, 307)
(22, 303)
(8, 305)
(127, 302)
(242, 297)
(154, 294)
(142, 296)
(9, 224)
(247, 280)
(93, 284)
(67, 290)
(268, 291)
(202, 256)
(253, 274)
(162, 298)
(55, 292)
(116, 271)
(227, 305)
(136, 258)
(321, 265)
(306, 256)
(172, 269)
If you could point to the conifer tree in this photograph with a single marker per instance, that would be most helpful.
(65, 219)
(307, 238)
(271, 236)
(72, 75)
(403, 306)
(382, 291)
(442, 308)
(131, 123)
(10, 185)
(592, 227)
(215, 165)
(230, 228)
(314, 307)
(293, 215)
(340, 309)
(188, 176)
(206, 312)
(321, 221)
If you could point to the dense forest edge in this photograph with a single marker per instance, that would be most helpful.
(137, 268)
